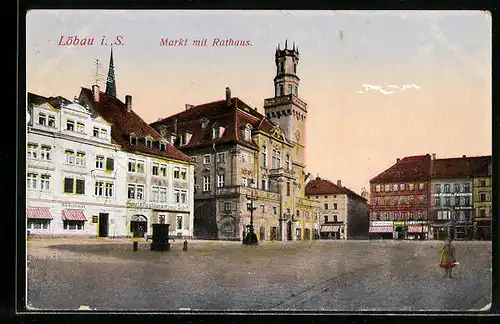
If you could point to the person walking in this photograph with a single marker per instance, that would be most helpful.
(447, 258)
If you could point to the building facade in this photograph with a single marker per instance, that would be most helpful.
(343, 213)
(482, 202)
(242, 155)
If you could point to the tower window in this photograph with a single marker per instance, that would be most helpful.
(281, 90)
(295, 68)
(296, 90)
(282, 66)
(290, 89)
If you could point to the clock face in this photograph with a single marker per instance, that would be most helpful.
(297, 135)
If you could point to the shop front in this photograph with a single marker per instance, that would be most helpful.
(331, 231)
(399, 230)
(381, 230)
(482, 229)
(416, 230)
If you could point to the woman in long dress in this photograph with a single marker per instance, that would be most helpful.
(447, 258)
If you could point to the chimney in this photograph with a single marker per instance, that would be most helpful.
(228, 96)
(397, 160)
(464, 156)
(95, 92)
(433, 156)
(128, 103)
(339, 183)
(189, 106)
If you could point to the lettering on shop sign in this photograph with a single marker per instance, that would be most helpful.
(70, 205)
(153, 205)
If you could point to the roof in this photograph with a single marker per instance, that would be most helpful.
(233, 118)
(411, 168)
(464, 167)
(320, 186)
(422, 168)
(125, 123)
(56, 102)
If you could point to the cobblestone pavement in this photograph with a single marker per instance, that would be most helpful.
(321, 275)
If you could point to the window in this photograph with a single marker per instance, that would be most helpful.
(220, 180)
(290, 89)
(206, 183)
(262, 208)
(73, 225)
(163, 170)
(456, 201)
(287, 162)
(183, 196)
(334, 218)
(95, 132)
(45, 153)
(162, 194)
(177, 194)
(275, 210)
(276, 159)
(72, 186)
(466, 201)
(183, 174)
(295, 68)
(133, 140)
(155, 191)
(206, 159)
(31, 180)
(140, 166)
(437, 188)
(179, 222)
(80, 127)
(163, 147)
(412, 186)
(325, 218)
(104, 133)
(216, 132)
(221, 158)
(288, 188)
(447, 201)
(110, 164)
(402, 187)
(422, 200)
(70, 156)
(136, 191)
(421, 186)
(326, 206)
(155, 169)
(45, 182)
(282, 66)
(482, 197)
(148, 142)
(447, 188)
(387, 188)
(466, 187)
(263, 184)
(244, 182)
(70, 125)
(227, 206)
(412, 200)
(264, 156)
(99, 188)
(334, 205)
(99, 162)
(437, 202)
(42, 119)
(482, 213)
(177, 172)
(32, 151)
(482, 183)
(80, 159)
(456, 187)
(38, 224)
(184, 138)
(395, 187)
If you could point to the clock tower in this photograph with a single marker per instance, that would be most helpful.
(286, 109)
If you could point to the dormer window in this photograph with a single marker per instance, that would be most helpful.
(248, 133)
(133, 140)
(70, 125)
(185, 138)
(52, 121)
(149, 142)
(204, 122)
(42, 119)
(163, 147)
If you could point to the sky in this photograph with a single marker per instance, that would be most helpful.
(379, 85)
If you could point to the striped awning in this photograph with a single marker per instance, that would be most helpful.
(330, 228)
(417, 229)
(73, 214)
(381, 229)
(38, 213)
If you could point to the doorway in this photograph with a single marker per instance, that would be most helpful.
(262, 233)
(399, 233)
(138, 225)
(289, 230)
(274, 233)
(103, 224)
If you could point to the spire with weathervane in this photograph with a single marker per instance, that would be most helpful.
(110, 82)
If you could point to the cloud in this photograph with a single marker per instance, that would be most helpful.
(385, 90)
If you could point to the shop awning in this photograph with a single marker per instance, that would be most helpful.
(38, 213)
(73, 215)
(330, 228)
(381, 229)
(417, 229)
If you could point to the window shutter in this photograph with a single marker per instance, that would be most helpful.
(68, 185)
(80, 186)
(110, 164)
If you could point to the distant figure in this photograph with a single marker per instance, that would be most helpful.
(447, 258)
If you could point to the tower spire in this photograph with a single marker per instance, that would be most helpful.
(110, 82)
(285, 43)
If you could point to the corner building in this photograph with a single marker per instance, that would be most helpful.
(242, 153)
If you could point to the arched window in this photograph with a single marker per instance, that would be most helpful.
(248, 132)
(264, 156)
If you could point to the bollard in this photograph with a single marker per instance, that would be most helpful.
(185, 246)
(136, 246)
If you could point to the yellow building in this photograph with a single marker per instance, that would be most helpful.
(482, 203)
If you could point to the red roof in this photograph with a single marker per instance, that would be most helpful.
(125, 123)
(56, 102)
(411, 168)
(464, 167)
(320, 186)
(233, 118)
(422, 168)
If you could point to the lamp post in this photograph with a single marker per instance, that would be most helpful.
(250, 237)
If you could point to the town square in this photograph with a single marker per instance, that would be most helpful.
(346, 171)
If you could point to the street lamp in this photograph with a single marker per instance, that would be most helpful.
(250, 237)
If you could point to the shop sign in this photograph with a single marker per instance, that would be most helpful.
(74, 206)
(153, 205)
(399, 223)
(380, 223)
(414, 223)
